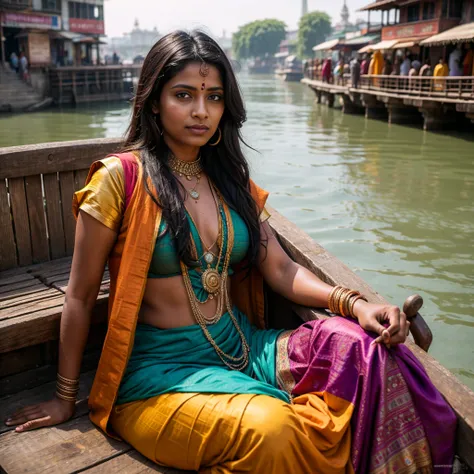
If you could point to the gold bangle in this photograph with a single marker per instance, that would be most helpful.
(353, 302)
(67, 389)
(338, 299)
(65, 397)
(67, 381)
(345, 304)
(331, 297)
(335, 299)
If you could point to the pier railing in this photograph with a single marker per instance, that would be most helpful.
(93, 83)
(426, 86)
(461, 87)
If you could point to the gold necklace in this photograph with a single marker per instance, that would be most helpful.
(234, 363)
(185, 168)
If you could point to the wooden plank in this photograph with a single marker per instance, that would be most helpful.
(312, 256)
(66, 183)
(44, 293)
(65, 448)
(39, 239)
(31, 307)
(45, 158)
(57, 243)
(80, 177)
(34, 328)
(7, 238)
(20, 277)
(132, 462)
(21, 220)
(20, 289)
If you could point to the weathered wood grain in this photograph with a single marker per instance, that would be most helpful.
(39, 240)
(19, 276)
(43, 325)
(132, 462)
(7, 238)
(66, 183)
(65, 448)
(21, 288)
(57, 242)
(52, 299)
(54, 157)
(80, 177)
(43, 293)
(21, 220)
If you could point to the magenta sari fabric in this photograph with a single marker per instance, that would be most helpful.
(401, 423)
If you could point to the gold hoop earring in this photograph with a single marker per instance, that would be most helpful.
(157, 126)
(218, 140)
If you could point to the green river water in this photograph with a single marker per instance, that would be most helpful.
(394, 203)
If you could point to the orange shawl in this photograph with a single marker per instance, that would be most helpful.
(128, 265)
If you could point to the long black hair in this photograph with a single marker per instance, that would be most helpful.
(225, 163)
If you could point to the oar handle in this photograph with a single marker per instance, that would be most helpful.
(421, 332)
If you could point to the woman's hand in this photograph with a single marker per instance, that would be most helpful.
(48, 413)
(373, 317)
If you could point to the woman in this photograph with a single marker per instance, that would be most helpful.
(184, 376)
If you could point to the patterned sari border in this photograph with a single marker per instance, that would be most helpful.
(284, 377)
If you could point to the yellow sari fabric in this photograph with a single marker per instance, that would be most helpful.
(229, 433)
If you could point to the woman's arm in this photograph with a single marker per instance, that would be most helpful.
(93, 243)
(297, 284)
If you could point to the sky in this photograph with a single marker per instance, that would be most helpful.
(214, 16)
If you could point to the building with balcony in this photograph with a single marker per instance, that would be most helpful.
(26, 25)
(407, 23)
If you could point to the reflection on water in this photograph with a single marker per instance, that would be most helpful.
(394, 203)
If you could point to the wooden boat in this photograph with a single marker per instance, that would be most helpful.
(291, 70)
(36, 244)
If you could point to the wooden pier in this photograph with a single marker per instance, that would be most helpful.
(75, 85)
(436, 102)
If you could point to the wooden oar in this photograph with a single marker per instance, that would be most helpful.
(421, 332)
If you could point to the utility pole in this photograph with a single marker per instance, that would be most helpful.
(304, 8)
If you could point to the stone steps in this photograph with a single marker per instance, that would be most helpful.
(16, 95)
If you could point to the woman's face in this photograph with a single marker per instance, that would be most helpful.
(191, 105)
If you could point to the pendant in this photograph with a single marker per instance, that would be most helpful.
(211, 281)
(209, 258)
(194, 194)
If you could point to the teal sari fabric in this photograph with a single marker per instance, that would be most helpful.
(182, 360)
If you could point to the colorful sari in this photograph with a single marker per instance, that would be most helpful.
(317, 399)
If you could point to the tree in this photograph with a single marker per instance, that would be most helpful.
(258, 38)
(313, 29)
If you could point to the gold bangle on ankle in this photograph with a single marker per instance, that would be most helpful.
(67, 381)
(65, 397)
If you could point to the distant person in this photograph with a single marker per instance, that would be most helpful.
(355, 69)
(405, 66)
(327, 70)
(23, 66)
(115, 58)
(376, 66)
(396, 67)
(468, 62)
(455, 69)
(364, 67)
(441, 70)
(14, 61)
(388, 67)
(339, 72)
(426, 69)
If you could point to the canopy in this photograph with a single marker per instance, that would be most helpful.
(283, 54)
(387, 44)
(385, 4)
(326, 45)
(366, 49)
(359, 40)
(459, 34)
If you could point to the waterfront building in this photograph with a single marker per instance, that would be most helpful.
(52, 32)
(25, 26)
(406, 25)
